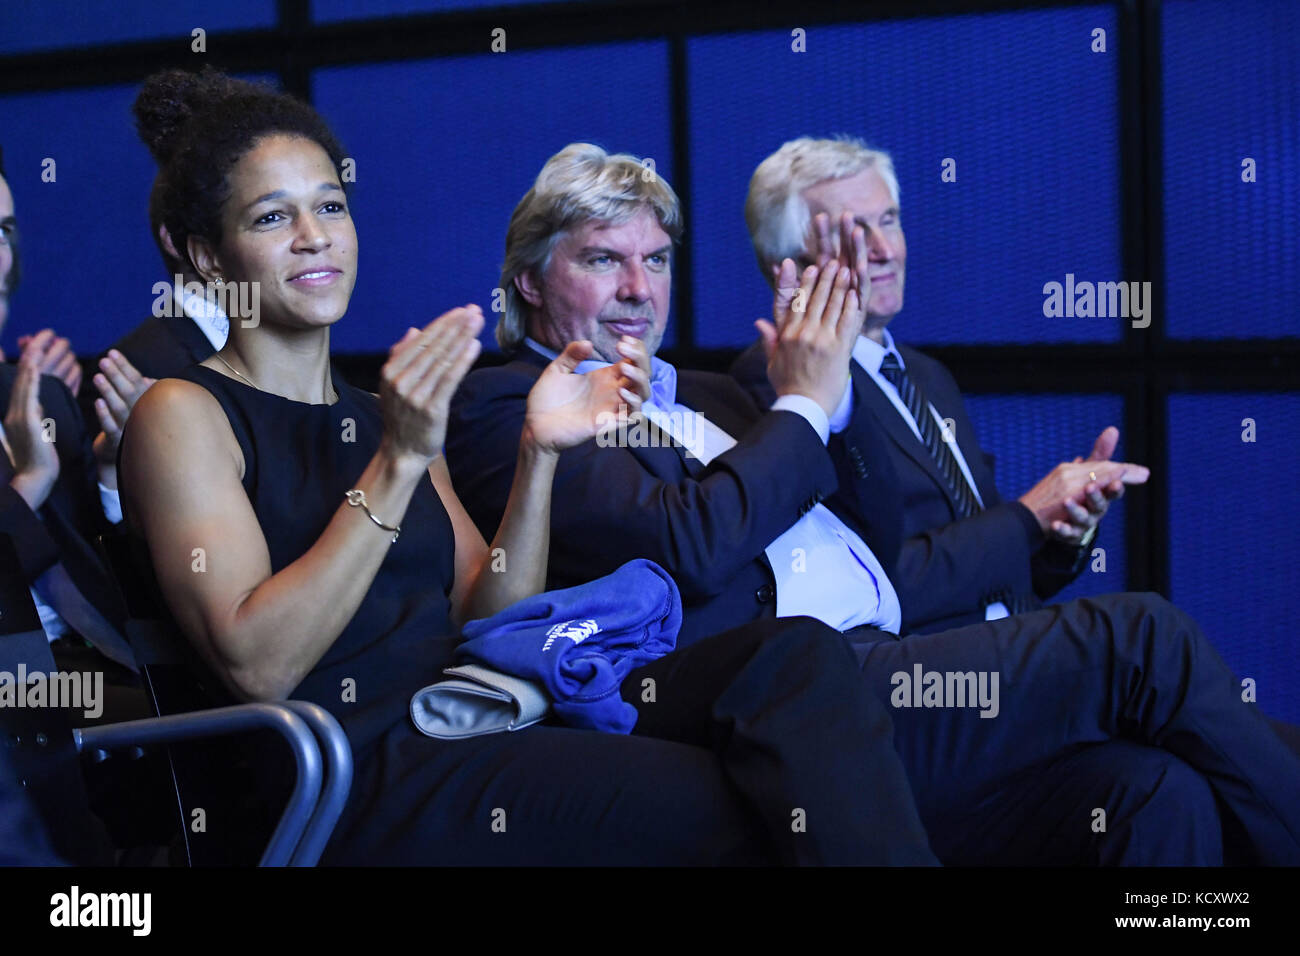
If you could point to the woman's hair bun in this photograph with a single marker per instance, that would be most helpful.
(168, 100)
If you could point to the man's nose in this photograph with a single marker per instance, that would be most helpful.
(635, 285)
(879, 246)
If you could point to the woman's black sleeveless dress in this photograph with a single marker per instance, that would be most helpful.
(545, 795)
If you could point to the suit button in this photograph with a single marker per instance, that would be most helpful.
(765, 594)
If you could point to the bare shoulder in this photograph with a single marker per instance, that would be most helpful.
(179, 419)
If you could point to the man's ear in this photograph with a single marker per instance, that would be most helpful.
(204, 258)
(528, 286)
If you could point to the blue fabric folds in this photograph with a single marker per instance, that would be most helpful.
(581, 642)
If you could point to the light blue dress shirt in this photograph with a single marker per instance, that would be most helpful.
(822, 568)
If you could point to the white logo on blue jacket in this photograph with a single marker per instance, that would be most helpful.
(576, 631)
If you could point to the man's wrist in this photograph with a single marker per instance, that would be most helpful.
(843, 413)
(809, 409)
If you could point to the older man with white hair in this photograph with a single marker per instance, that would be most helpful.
(968, 555)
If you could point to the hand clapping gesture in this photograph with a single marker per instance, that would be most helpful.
(53, 355)
(419, 378)
(36, 462)
(848, 248)
(566, 409)
(817, 322)
(120, 384)
(1074, 496)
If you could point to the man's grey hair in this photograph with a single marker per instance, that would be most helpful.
(775, 210)
(580, 183)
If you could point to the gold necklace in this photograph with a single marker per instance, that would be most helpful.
(217, 356)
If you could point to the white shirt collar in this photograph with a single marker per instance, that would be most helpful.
(870, 353)
(206, 314)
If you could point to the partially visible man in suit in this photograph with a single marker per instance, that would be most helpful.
(50, 505)
(967, 555)
(52, 353)
(56, 494)
(1117, 703)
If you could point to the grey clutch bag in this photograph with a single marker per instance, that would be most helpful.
(477, 701)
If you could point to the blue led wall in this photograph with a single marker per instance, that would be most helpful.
(28, 26)
(89, 264)
(327, 11)
(446, 148)
(1232, 557)
(1021, 103)
(1029, 435)
(1231, 87)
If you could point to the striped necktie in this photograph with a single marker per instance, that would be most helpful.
(941, 452)
(931, 437)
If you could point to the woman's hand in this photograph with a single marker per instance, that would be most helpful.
(566, 409)
(419, 378)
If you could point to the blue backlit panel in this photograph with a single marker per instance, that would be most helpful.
(1232, 558)
(27, 26)
(1018, 100)
(88, 262)
(1030, 435)
(443, 154)
(1231, 88)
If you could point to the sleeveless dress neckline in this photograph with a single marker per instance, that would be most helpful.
(334, 383)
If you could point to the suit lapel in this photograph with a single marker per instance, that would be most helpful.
(868, 394)
(949, 405)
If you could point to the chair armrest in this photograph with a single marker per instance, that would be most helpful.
(301, 808)
(337, 754)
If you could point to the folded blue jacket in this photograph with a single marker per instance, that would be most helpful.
(581, 642)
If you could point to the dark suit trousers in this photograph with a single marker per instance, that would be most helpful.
(781, 704)
(1128, 667)
(756, 746)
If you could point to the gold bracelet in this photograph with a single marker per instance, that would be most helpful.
(357, 499)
